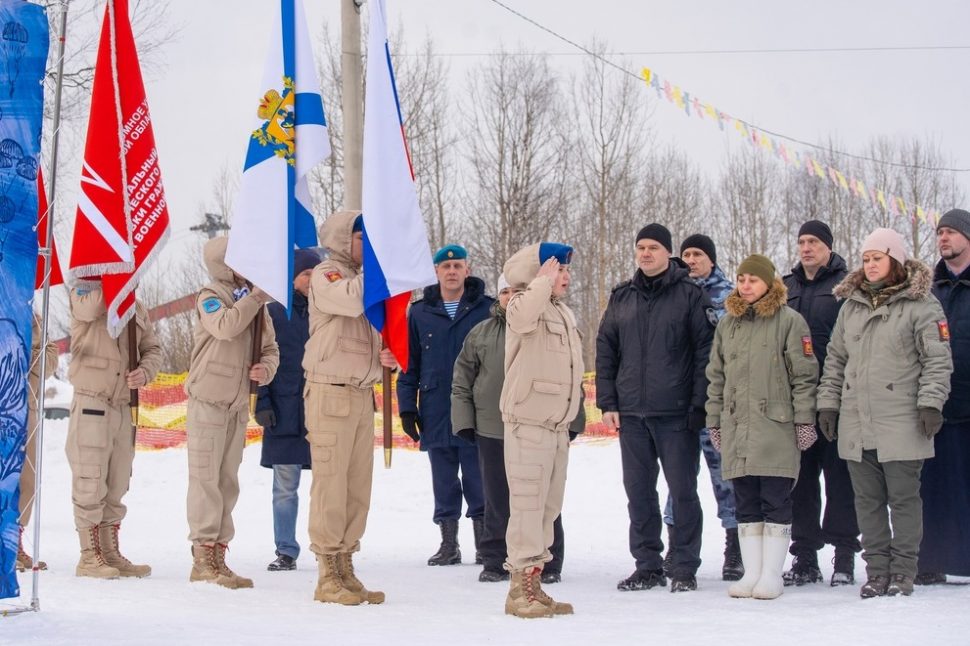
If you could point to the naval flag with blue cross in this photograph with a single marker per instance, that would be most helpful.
(272, 212)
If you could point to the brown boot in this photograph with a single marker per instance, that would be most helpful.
(238, 581)
(205, 566)
(24, 562)
(345, 567)
(557, 607)
(108, 538)
(523, 600)
(330, 585)
(92, 561)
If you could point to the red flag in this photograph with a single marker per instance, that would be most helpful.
(43, 217)
(111, 242)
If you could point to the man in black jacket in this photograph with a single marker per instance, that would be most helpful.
(810, 294)
(651, 353)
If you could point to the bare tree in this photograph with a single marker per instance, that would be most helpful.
(749, 194)
(518, 147)
(610, 162)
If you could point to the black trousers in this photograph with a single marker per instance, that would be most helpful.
(644, 441)
(491, 460)
(811, 530)
(763, 499)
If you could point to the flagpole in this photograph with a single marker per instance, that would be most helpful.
(353, 103)
(388, 412)
(45, 253)
(132, 366)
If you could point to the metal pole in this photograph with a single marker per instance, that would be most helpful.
(45, 252)
(353, 102)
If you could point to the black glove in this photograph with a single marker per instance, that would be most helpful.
(828, 423)
(573, 435)
(696, 420)
(930, 421)
(265, 418)
(412, 425)
(467, 434)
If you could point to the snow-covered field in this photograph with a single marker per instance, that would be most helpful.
(427, 605)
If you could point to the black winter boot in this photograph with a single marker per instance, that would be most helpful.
(448, 553)
(668, 564)
(478, 527)
(733, 568)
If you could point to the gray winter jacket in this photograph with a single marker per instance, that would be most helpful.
(884, 364)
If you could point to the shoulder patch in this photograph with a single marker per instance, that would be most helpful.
(711, 316)
(333, 276)
(807, 349)
(211, 305)
(944, 329)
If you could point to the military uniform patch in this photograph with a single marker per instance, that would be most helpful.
(944, 328)
(211, 305)
(82, 291)
(807, 348)
(711, 316)
(333, 276)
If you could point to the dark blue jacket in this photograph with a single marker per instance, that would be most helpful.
(814, 300)
(653, 346)
(286, 442)
(954, 295)
(435, 341)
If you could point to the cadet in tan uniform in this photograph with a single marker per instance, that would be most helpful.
(100, 443)
(218, 409)
(28, 473)
(342, 361)
(540, 399)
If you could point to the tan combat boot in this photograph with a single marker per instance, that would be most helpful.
(557, 607)
(330, 586)
(92, 561)
(205, 566)
(108, 538)
(24, 562)
(523, 600)
(345, 567)
(238, 581)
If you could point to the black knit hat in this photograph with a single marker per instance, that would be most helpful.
(818, 229)
(656, 232)
(702, 242)
(956, 219)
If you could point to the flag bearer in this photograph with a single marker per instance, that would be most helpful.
(343, 361)
(218, 409)
(100, 442)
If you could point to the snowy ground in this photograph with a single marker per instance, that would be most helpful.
(426, 605)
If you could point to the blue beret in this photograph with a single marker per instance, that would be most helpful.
(561, 252)
(358, 224)
(450, 252)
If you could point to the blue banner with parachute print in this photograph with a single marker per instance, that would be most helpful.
(24, 42)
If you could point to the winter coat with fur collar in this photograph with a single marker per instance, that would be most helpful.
(762, 377)
(884, 364)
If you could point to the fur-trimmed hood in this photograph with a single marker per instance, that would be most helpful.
(920, 279)
(767, 306)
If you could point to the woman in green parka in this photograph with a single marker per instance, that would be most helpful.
(886, 379)
(761, 413)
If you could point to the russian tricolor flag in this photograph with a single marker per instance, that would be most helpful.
(397, 256)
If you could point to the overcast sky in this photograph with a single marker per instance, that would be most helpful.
(203, 100)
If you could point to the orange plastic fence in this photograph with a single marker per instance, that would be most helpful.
(162, 411)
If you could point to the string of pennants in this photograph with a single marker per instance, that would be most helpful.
(693, 106)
